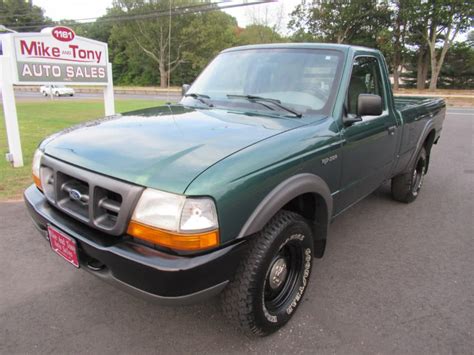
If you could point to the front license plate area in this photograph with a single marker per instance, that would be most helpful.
(63, 245)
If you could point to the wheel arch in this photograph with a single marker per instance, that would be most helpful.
(306, 194)
(428, 144)
(428, 129)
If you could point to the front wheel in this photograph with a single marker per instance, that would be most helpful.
(272, 278)
(406, 187)
(56, 93)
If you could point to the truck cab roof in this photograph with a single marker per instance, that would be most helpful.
(331, 46)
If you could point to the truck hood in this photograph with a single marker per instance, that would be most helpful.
(165, 147)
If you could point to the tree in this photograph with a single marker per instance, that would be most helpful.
(265, 24)
(209, 33)
(160, 38)
(458, 69)
(255, 34)
(341, 21)
(102, 30)
(421, 56)
(442, 21)
(147, 45)
(470, 38)
(22, 16)
(188, 37)
(401, 23)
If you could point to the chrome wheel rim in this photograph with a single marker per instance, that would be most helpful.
(278, 273)
(418, 176)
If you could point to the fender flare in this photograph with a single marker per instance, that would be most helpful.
(421, 141)
(282, 194)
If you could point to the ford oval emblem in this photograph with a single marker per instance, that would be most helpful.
(75, 195)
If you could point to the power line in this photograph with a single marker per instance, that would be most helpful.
(176, 11)
(184, 10)
(112, 16)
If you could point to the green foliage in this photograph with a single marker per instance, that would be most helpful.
(142, 51)
(355, 22)
(456, 73)
(404, 30)
(208, 34)
(458, 69)
(441, 21)
(143, 54)
(22, 16)
(255, 34)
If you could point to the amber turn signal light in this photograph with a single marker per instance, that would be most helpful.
(37, 182)
(173, 240)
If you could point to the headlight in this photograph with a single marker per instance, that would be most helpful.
(198, 215)
(36, 167)
(175, 221)
(159, 209)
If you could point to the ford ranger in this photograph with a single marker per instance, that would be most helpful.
(232, 190)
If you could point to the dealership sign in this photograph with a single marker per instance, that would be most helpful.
(53, 56)
(58, 55)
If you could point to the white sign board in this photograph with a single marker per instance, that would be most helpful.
(59, 57)
(54, 56)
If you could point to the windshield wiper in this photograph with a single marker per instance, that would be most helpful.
(276, 102)
(200, 97)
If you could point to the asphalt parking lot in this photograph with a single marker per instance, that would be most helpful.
(396, 278)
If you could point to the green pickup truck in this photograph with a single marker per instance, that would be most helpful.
(232, 190)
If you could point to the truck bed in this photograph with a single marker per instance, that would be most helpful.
(416, 107)
(407, 104)
(415, 112)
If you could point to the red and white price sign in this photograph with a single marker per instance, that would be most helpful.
(58, 55)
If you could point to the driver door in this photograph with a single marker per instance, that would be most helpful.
(369, 148)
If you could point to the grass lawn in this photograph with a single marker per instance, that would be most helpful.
(37, 120)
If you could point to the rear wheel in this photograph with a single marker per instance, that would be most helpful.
(56, 93)
(273, 276)
(406, 187)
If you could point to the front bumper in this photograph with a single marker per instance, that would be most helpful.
(136, 268)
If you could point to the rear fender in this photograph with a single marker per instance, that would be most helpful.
(421, 141)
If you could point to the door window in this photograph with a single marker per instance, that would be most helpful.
(366, 78)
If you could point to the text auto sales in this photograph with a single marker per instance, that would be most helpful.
(38, 49)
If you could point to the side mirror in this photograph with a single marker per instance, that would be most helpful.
(184, 89)
(369, 105)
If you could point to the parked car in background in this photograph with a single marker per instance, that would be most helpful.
(56, 90)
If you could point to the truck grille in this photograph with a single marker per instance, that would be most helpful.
(99, 201)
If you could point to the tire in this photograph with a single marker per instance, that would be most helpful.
(44, 93)
(56, 93)
(254, 300)
(407, 186)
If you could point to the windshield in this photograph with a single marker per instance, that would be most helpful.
(302, 79)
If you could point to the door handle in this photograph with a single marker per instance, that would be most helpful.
(391, 130)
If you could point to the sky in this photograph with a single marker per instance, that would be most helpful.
(79, 9)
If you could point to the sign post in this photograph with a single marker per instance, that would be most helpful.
(54, 56)
(15, 154)
(109, 102)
